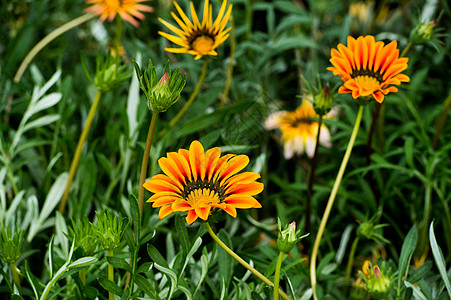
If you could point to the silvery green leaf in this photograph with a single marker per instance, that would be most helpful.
(83, 262)
(42, 121)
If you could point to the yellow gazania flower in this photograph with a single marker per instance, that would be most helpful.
(198, 182)
(128, 10)
(197, 39)
(368, 68)
(299, 130)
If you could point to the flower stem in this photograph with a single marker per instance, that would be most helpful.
(16, 278)
(46, 40)
(81, 142)
(330, 202)
(110, 274)
(441, 122)
(351, 259)
(242, 262)
(312, 177)
(117, 37)
(277, 276)
(145, 162)
(225, 95)
(406, 49)
(190, 100)
(10, 174)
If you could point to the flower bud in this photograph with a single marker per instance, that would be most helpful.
(160, 94)
(377, 283)
(323, 101)
(10, 245)
(422, 33)
(288, 237)
(109, 230)
(368, 230)
(109, 72)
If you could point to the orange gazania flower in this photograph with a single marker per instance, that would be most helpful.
(128, 10)
(196, 38)
(199, 182)
(368, 68)
(299, 129)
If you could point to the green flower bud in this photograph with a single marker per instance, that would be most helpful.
(422, 33)
(160, 94)
(10, 245)
(83, 235)
(109, 72)
(323, 101)
(288, 237)
(368, 230)
(377, 283)
(109, 230)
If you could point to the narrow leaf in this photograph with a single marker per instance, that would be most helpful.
(408, 247)
(439, 260)
(119, 263)
(182, 233)
(110, 286)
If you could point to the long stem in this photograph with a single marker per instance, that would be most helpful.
(117, 37)
(406, 49)
(277, 276)
(225, 95)
(312, 177)
(330, 202)
(81, 142)
(242, 262)
(191, 98)
(10, 174)
(351, 259)
(110, 274)
(441, 122)
(145, 162)
(16, 276)
(46, 40)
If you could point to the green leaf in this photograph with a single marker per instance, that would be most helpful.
(16, 297)
(190, 254)
(182, 234)
(83, 262)
(168, 272)
(8, 283)
(136, 216)
(408, 149)
(51, 255)
(416, 291)
(156, 256)
(408, 247)
(32, 280)
(42, 121)
(225, 261)
(438, 257)
(144, 285)
(119, 263)
(110, 286)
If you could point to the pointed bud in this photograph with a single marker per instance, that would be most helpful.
(323, 101)
(377, 281)
(160, 94)
(423, 33)
(288, 237)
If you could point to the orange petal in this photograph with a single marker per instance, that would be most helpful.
(241, 201)
(171, 170)
(181, 205)
(197, 160)
(211, 160)
(245, 177)
(233, 166)
(378, 96)
(203, 212)
(230, 210)
(182, 165)
(250, 189)
(191, 217)
(165, 211)
(161, 183)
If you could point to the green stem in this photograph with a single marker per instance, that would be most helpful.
(441, 122)
(406, 49)
(312, 177)
(190, 100)
(351, 259)
(11, 179)
(46, 40)
(225, 95)
(117, 37)
(110, 274)
(277, 276)
(77, 155)
(330, 202)
(242, 262)
(16, 278)
(423, 239)
(145, 161)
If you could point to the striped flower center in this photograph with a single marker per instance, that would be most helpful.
(193, 188)
(203, 44)
(366, 73)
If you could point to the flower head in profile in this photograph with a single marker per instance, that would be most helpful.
(299, 129)
(368, 68)
(128, 10)
(196, 38)
(377, 279)
(199, 182)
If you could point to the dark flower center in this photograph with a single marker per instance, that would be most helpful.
(366, 72)
(298, 121)
(191, 186)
